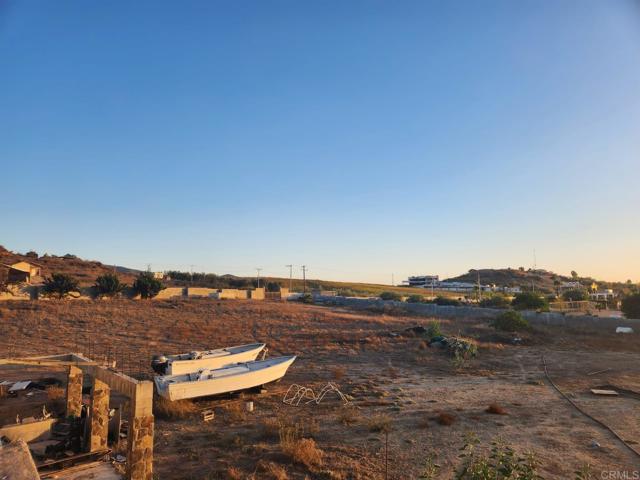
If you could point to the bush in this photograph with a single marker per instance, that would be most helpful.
(306, 298)
(433, 330)
(415, 299)
(631, 306)
(108, 285)
(272, 287)
(59, 285)
(495, 301)
(446, 301)
(502, 463)
(510, 321)
(146, 285)
(391, 296)
(575, 295)
(529, 301)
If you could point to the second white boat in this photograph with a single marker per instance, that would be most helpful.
(210, 359)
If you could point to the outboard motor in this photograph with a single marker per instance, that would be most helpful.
(160, 363)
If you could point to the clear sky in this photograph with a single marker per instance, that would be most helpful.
(362, 138)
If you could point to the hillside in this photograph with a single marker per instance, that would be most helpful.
(543, 280)
(85, 271)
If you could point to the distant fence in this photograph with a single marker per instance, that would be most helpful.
(448, 311)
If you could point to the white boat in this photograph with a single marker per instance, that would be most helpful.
(205, 359)
(223, 380)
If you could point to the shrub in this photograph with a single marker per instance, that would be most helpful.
(415, 298)
(510, 321)
(60, 285)
(495, 301)
(146, 285)
(391, 296)
(631, 306)
(529, 301)
(380, 423)
(445, 418)
(272, 287)
(108, 285)
(496, 409)
(502, 463)
(306, 298)
(575, 295)
(433, 329)
(446, 301)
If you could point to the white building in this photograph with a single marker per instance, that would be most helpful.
(423, 281)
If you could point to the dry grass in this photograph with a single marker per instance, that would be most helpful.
(380, 423)
(234, 473)
(168, 410)
(496, 409)
(303, 451)
(444, 418)
(271, 471)
(56, 399)
(236, 412)
(349, 415)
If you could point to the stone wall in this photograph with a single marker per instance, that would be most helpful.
(475, 313)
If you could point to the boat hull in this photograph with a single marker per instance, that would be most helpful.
(178, 367)
(226, 384)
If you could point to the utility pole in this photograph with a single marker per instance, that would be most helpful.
(258, 270)
(304, 278)
(393, 283)
(290, 276)
(191, 270)
(479, 288)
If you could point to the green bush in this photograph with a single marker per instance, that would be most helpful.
(146, 285)
(391, 296)
(59, 285)
(631, 306)
(446, 301)
(306, 298)
(433, 330)
(415, 298)
(108, 285)
(529, 301)
(502, 463)
(510, 321)
(495, 301)
(575, 295)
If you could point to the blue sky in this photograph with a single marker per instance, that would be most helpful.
(359, 138)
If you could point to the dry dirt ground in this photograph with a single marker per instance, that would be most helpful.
(396, 382)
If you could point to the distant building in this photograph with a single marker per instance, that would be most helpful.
(20, 272)
(158, 275)
(422, 281)
(570, 286)
(602, 295)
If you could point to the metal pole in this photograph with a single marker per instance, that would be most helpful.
(304, 278)
(290, 276)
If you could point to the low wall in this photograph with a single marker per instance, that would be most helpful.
(201, 292)
(39, 430)
(170, 292)
(447, 311)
